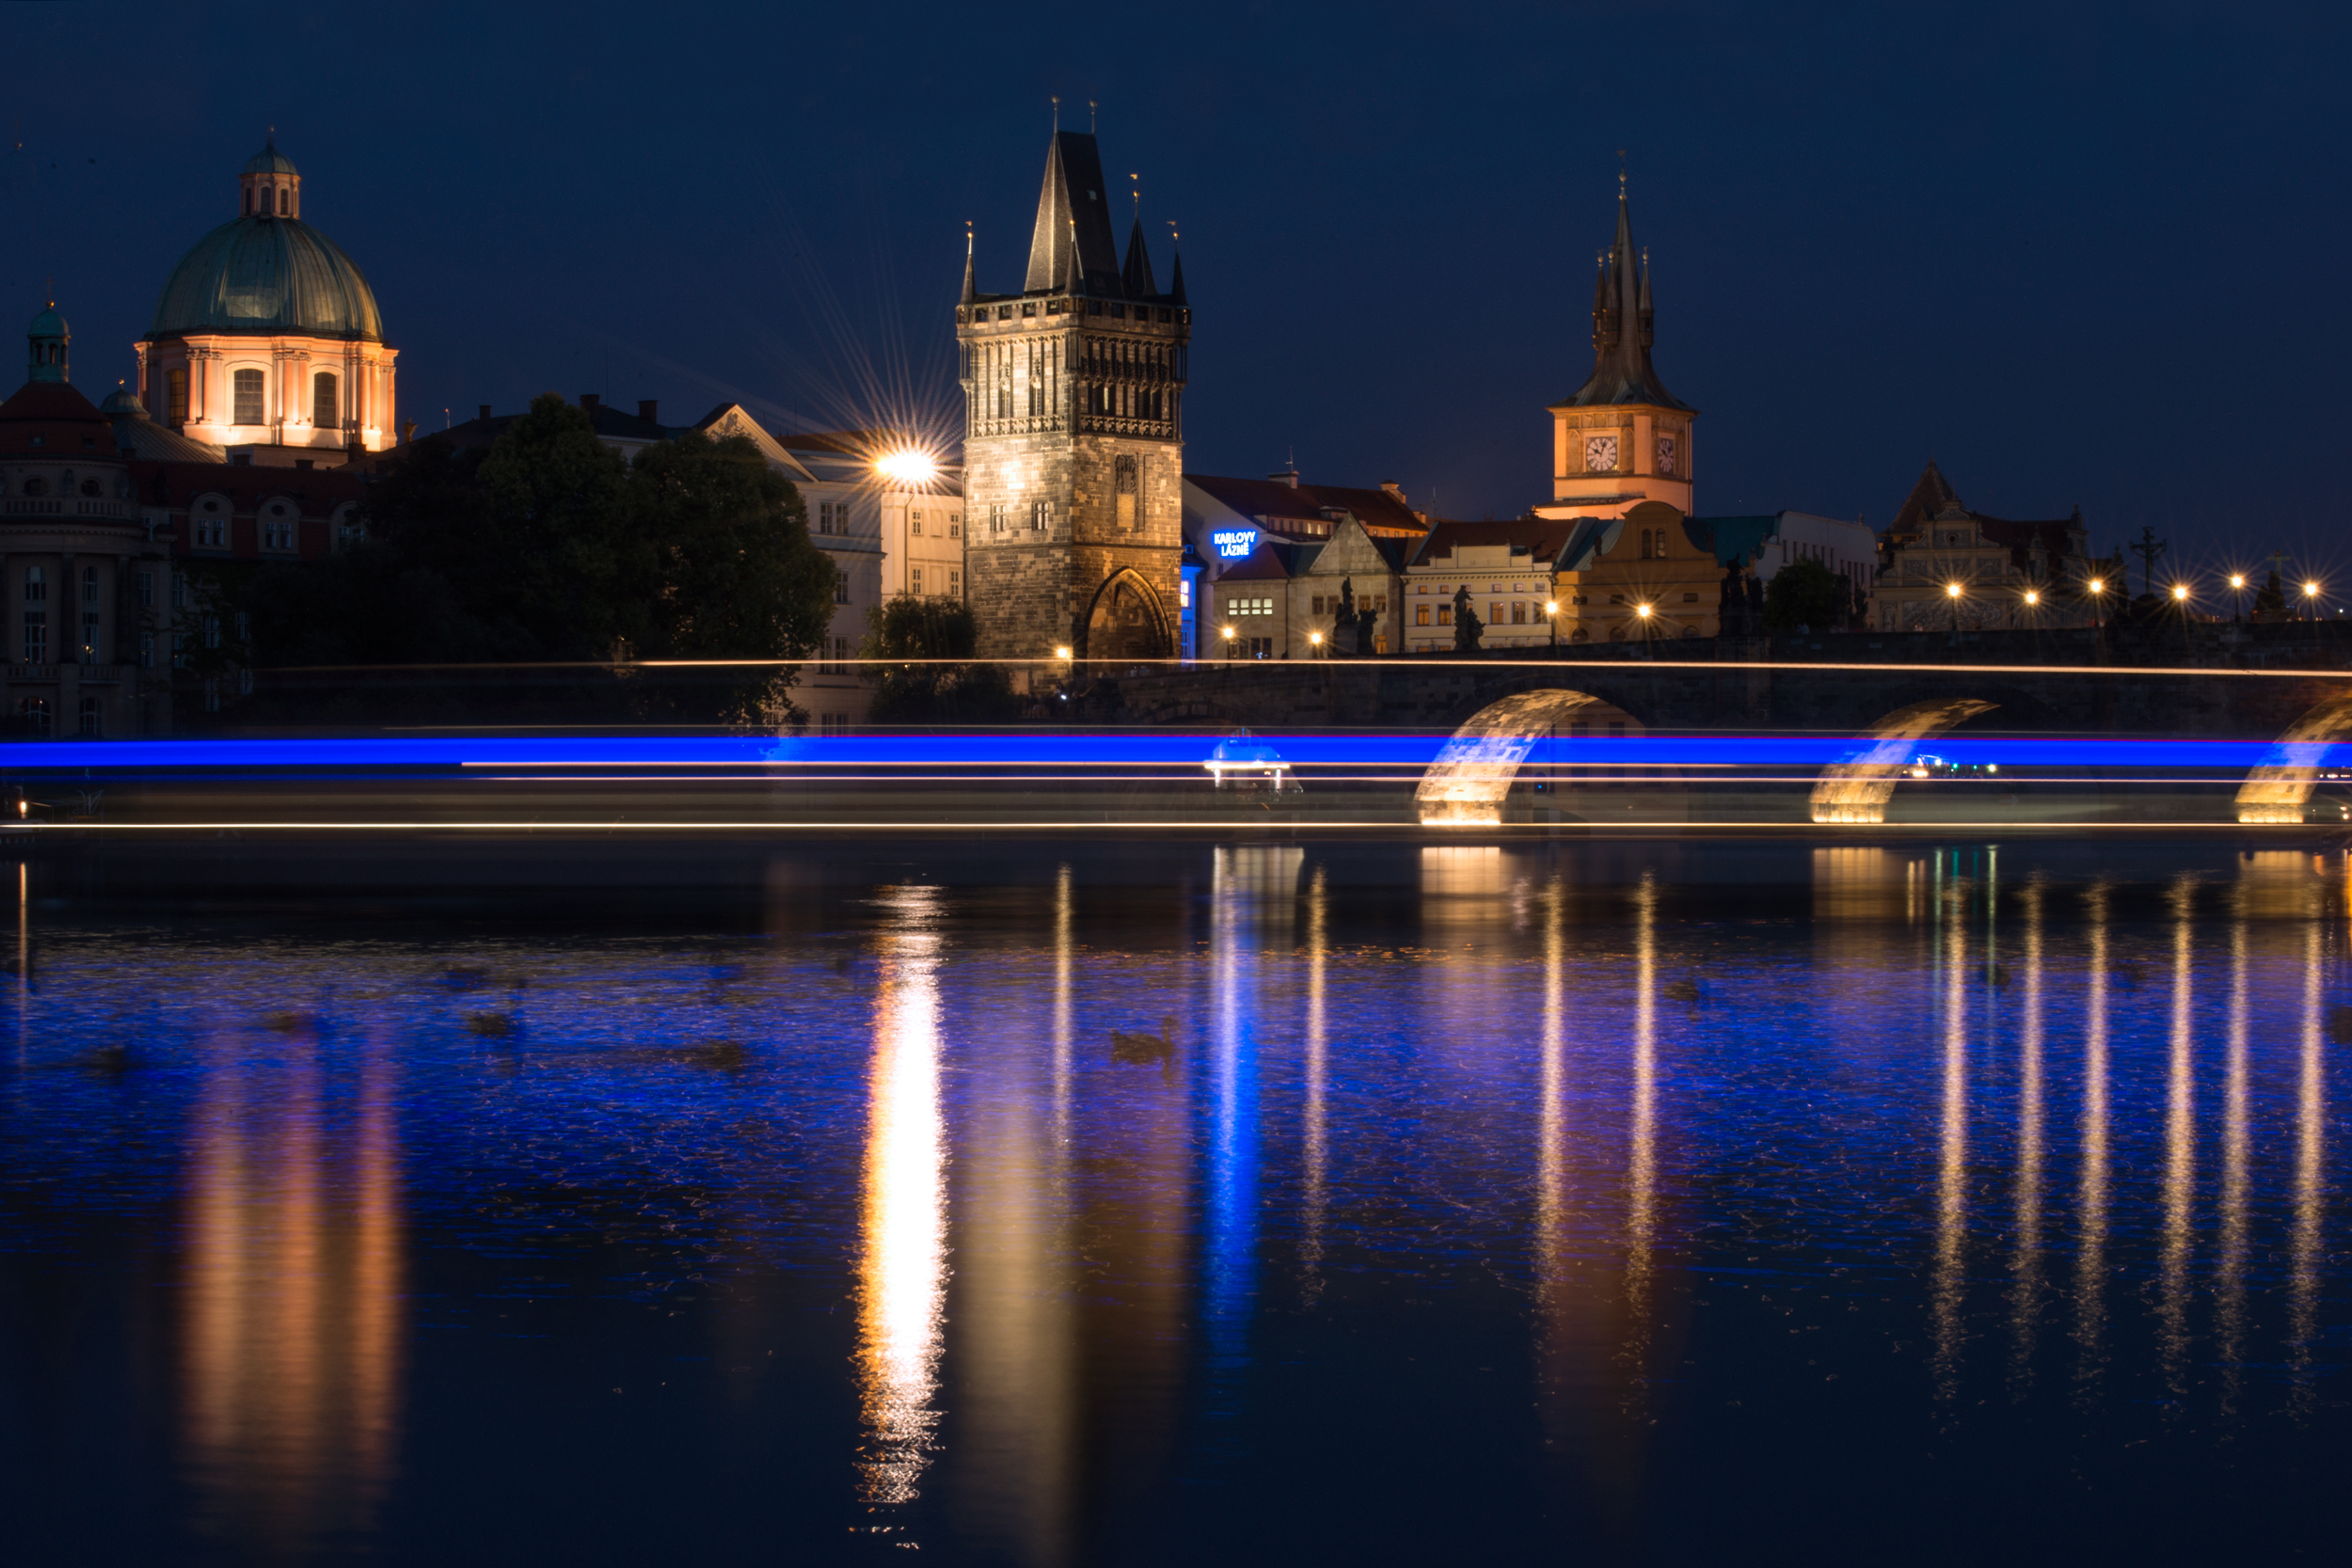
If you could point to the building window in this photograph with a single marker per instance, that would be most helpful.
(147, 650)
(212, 631)
(915, 523)
(248, 388)
(245, 682)
(212, 694)
(178, 592)
(955, 585)
(841, 586)
(997, 517)
(89, 719)
(176, 395)
(147, 589)
(955, 525)
(1445, 615)
(1124, 483)
(1519, 613)
(915, 580)
(33, 712)
(278, 531)
(244, 625)
(36, 636)
(36, 586)
(1420, 615)
(325, 408)
(89, 637)
(1041, 515)
(179, 651)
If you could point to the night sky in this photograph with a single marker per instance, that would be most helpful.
(2078, 255)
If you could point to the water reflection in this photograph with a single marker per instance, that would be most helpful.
(2026, 1306)
(2091, 1194)
(2305, 1254)
(1312, 1153)
(1641, 1220)
(2180, 1150)
(2236, 1147)
(293, 1333)
(1013, 1312)
(1952, 1187)
(902, 1263)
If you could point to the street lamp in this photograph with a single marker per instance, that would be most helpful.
(2097, 588)
(1315, 639)
(2237, 595)
(1062, 652)
(2311, 596)
(1952, 592)
(1551, 614)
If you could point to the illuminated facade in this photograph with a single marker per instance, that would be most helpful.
(1943, 567)
(266, 341)
(1074, 433)
(81, 582)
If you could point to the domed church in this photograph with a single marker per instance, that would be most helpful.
(266, 341)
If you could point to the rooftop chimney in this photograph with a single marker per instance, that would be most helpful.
(588, 400)
(486, 410)
(1288, 476)
(1394, 488)
(646, 409)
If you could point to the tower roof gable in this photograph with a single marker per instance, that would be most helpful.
(1622, 372)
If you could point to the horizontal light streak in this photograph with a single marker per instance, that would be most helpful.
(1241, 669)
(1182, 749)
(1254, 826)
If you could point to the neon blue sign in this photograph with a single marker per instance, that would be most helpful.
(1233, 543)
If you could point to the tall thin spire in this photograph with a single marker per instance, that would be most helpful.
(1176, 280)
(971, 291)
(1136, 278)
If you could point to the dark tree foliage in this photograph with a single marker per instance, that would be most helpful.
(550, 550)
(1806, 593)
(913, 628)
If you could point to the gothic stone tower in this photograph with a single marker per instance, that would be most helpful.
(1074, 433)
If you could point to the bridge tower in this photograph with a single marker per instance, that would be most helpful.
(1073, 433)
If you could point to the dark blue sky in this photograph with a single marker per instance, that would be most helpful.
(2079, 255)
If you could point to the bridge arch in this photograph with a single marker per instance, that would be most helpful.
(2280, 790)
(1857, 789)
(1467, 784)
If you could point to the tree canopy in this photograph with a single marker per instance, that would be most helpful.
(915, 629)
(1805, 593)
(550, 547)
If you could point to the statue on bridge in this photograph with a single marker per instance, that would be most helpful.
(1468, 627)
(1353, 630)
(1740, 611)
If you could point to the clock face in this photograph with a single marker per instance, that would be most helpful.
(1665, 454)
(1601, 453)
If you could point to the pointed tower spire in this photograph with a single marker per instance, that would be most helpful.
(1176, 281)
(1072, 220)
(971, 293)
(1136, 278)
(1622, 331)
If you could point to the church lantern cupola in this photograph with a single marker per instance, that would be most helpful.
(270, 185)
(48, 339)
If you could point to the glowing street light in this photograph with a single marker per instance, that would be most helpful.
(2033, 596)
(1952, 592)
(1228, 633)
(2180, 593)
(907, 467)
(1315, 640)
(2237, 595)
(1063, 651)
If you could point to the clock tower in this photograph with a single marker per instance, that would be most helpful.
(1074, 434)
(1621, 438)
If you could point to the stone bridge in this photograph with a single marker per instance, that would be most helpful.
(2287, 683)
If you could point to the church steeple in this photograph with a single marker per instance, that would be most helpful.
(1622, 331)
(1073, 220)
(971, 291)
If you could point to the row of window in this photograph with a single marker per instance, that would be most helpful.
(1054, 307)
(33, 714)
(248, 397)
(953, 588)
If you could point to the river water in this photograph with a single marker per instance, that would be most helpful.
(1653, 1201)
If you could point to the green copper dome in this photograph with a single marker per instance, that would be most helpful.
(270, 161)
(268, 275)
